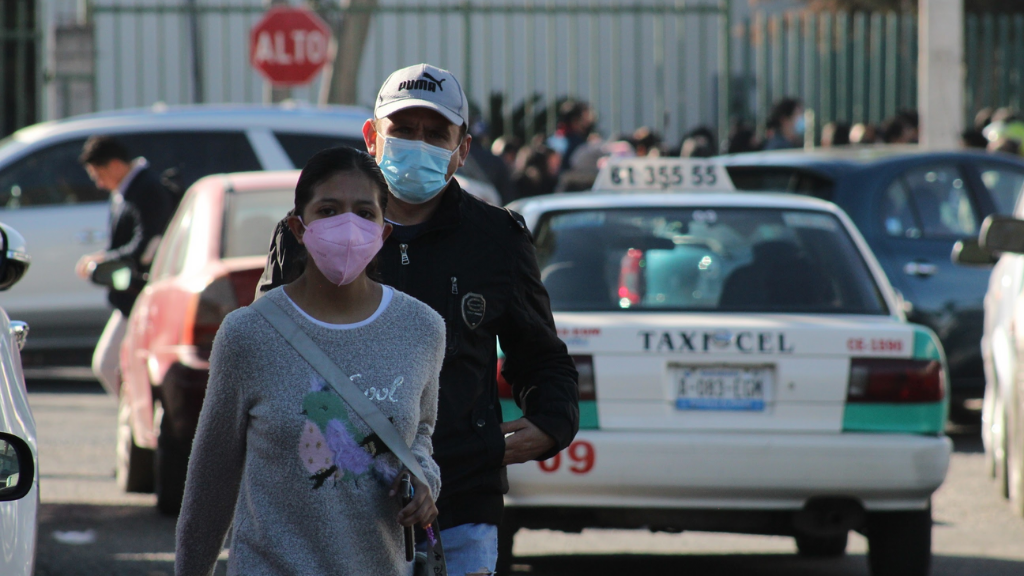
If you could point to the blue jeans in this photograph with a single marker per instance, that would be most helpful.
(470, 548)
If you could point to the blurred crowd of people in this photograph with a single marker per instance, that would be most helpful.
(569, 159)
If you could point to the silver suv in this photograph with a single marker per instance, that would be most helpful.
(47, 196)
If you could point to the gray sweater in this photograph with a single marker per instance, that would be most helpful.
(305, 480)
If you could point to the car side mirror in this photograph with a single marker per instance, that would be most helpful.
(14, 259)
(17, 467)
(968, 252)
(1002, 234)
(114, 274)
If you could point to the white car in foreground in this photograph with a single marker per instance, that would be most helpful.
(19, 483)
(745, 366)
(1001, 241)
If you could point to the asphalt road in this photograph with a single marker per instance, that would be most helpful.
(87, 527)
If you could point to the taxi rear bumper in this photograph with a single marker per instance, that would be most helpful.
(741, 471)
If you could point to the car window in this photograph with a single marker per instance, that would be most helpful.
(897, 213)
(941, 202)
(250, 219)
(47, 177)
(776, 179)
(301, 147)
(193, 155)
(726, 259)
(1004, 184)
(171, 258)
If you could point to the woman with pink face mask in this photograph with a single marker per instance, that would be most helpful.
(310, 486)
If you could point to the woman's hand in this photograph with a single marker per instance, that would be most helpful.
(421, 510)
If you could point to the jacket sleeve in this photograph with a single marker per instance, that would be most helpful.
(148, 214)
(285, 259)
(537, 363)
(218, 455)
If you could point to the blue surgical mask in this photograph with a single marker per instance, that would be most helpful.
(416, 171)
(800, 126)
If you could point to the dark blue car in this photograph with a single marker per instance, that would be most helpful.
(911, 205)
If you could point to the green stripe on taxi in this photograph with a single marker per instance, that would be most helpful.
(588, 412)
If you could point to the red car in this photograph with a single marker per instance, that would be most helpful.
(208, 264)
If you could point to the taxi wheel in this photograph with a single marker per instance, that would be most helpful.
(900, 543)
(134, 472)
(822, 547)
(170, 467)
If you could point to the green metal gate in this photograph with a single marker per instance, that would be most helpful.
(20, 69)
(862, 67)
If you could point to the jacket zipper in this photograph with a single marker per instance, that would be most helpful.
(405, 253)
(453, 321)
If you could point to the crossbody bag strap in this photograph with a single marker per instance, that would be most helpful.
(339, 381)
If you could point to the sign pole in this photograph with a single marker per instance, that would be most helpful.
(197, 53)
(940, 73)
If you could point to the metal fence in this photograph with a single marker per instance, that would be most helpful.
(639, 63)
(648, 63)
(862, 67)
(859, 67)
(20, 78)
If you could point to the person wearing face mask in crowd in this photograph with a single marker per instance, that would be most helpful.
(311, 488)
(475, 265)
(786, 125)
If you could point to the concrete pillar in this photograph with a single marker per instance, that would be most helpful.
(941, 73)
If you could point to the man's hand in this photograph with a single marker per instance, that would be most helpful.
(87, 263)
(526, 441)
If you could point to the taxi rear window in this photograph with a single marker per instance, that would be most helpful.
(706, 259)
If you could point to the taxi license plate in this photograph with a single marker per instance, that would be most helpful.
(737, 388)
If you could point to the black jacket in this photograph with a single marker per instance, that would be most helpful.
(475, 265)
(136, 217)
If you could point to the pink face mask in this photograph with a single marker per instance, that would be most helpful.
(343, 245)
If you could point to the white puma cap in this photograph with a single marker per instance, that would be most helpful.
(423, 86)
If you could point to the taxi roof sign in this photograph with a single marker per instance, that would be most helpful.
(654, 174)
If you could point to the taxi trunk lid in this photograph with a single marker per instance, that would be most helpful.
(722, 372)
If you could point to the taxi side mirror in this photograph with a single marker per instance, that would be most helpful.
(968, 252)
(1003, 234)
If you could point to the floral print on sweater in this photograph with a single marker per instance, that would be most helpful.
(332, 448)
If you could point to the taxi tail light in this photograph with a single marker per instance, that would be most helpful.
(895, 380)
(213, 303)
(584, 366)
(587, 382)
(630, 277)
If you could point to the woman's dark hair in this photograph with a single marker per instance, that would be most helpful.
(326, 163)
(320, 168)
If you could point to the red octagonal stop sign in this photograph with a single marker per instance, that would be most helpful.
(288, 46)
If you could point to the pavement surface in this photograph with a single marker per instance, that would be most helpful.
(88, 527)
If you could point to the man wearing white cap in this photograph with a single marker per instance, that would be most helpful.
(475, 265)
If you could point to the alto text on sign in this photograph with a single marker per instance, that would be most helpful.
(289, 46)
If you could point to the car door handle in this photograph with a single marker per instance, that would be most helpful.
(920, 269)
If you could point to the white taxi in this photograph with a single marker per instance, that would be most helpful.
(745, 366)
